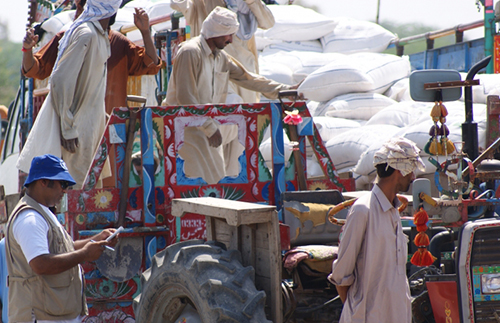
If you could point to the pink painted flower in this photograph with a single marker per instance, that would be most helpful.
(292, 118)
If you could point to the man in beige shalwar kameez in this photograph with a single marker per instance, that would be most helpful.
(72, 118)
(370, 271)
(200, 75)
(251, 14)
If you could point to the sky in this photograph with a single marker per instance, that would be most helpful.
(439, 13)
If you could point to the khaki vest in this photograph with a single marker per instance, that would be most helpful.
(49, 297)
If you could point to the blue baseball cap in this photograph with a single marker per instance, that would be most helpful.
(48, 167)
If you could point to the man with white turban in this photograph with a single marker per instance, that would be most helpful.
(370, 271)
(72, 118)
(200, 75)
(251, 14)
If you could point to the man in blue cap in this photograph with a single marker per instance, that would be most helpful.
(45, 278)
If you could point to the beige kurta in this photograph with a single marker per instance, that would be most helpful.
(244, 51)
(201, 77)
(211, 164)
(372, 261)
(74, 106)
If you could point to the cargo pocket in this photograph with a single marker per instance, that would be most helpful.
(59, 293)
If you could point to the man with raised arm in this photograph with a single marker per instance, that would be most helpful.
(127, 59)
(73, 117)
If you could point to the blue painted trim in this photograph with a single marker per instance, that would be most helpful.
(147, 152)
(278, 153)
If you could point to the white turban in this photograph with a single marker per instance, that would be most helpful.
(401, 154)
(94, 10)
(220, 22)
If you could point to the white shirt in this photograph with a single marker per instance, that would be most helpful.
(372, 261)
(30, 231)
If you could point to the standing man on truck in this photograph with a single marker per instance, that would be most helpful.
(73, 117)
(251, 14)
(127, 59)
(370, 271)
(200, 75)
(45, 279)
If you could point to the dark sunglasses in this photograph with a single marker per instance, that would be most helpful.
(64, 184)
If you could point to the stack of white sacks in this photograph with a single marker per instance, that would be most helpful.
(358, 96)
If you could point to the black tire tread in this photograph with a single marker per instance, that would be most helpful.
(221, 289)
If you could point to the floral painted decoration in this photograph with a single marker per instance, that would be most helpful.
(292, 118)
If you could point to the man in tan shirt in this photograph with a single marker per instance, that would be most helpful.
(200, 75)
(45, 279)
(251, 14)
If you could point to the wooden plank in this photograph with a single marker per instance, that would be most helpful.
(234, 212)
(210, 228)
(223, 232)
(234, 238)
(262, 265)
(248, 245)
(262, 236)
(275, 267)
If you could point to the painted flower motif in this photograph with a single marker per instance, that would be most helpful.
(171, 150)
(107, 288)
(211, 192)
(81, 218)
(253, 126)
(318, 186)
(160, 218)
(252, 176)
(255, 191)
(168, 132)
(253, 160)
(250, 143)
(102, 199)
(292, 118)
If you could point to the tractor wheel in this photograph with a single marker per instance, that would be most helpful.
(204, 275)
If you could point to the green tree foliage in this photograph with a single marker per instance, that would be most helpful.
(10, 64)
(408, 30)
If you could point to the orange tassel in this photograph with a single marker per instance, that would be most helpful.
(422, 258)
(427, 258)
(420, 217)
(422, 228)
(421, 239)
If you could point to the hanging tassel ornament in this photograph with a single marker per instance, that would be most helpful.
(439, 144)
(422, 257)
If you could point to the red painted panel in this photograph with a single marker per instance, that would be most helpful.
(444, 301)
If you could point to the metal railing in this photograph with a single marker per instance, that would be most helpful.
(429, 37)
